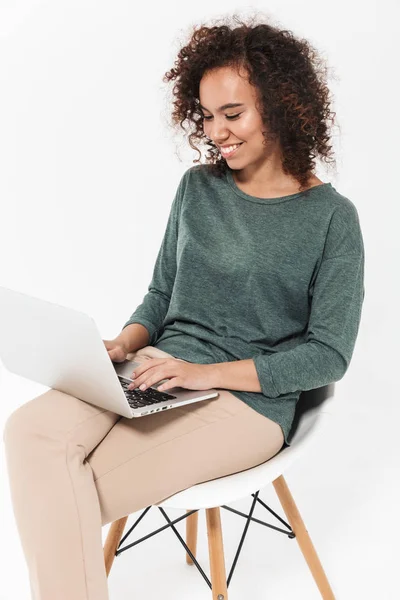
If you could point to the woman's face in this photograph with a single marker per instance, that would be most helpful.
(232, 125)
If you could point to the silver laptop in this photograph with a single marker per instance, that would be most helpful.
(62, 348)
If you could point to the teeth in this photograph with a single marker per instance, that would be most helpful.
(229, 149)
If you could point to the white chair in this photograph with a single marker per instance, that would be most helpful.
(312, 413)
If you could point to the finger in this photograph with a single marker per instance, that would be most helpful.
(153, 379)
(174, 382)
(139, 370)
(144, 366)
(142, 373)
(144, 378)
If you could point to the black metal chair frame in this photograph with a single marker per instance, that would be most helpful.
(249, 517)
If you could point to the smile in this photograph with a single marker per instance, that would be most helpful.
(228, 152)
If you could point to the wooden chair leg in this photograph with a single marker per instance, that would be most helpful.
(216, 552)
(191, 535)
(113, 539)
(304, 540)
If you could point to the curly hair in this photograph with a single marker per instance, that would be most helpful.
(289, 76)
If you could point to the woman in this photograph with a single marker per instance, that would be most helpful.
(257, 291)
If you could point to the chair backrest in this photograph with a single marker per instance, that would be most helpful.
(311, 400)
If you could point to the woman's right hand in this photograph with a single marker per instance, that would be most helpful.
(116, 351)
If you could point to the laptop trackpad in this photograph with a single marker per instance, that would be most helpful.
(125, 368)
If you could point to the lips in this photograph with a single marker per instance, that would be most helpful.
(225, 155)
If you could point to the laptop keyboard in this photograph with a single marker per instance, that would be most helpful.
(138, 398)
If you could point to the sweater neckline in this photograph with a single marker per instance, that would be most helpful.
(232, 183)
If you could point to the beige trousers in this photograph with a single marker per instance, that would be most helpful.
(74, 467)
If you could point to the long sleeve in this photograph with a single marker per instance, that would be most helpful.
(337, 297)
(151, 312)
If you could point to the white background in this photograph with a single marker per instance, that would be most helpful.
(89, 167)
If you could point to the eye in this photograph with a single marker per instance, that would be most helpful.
(227, 116)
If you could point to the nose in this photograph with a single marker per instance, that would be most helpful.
(218, 133)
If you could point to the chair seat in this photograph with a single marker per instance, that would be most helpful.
(229, 488)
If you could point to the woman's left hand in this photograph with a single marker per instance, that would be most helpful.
(191, 376)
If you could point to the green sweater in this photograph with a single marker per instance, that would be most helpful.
(279, 280)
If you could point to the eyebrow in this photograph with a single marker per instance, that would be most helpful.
(224, 106)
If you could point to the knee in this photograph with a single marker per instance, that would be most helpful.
(15, 423)
(26, 418)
